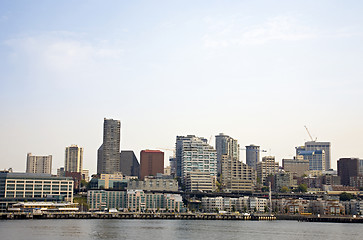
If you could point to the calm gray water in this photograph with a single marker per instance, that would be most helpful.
(175, 229)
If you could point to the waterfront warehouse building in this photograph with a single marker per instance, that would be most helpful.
(133, 200)
(151, 163)
(73, 161)
(39, 164)
(108, 155)
(15, 187)
(101, 199)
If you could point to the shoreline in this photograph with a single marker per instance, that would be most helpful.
(180, 216)
(119, 215)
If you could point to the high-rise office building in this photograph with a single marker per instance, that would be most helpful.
(39, 164)
(151, 163)
(312, 145)
(108, 156)
(73, 159)
(297, 166)
(194, 154)
(172, 162)
(316, 158)
(129, 165)
(252, 155)
(347, 168)
(225, 145)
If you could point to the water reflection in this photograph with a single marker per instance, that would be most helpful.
(175, 229)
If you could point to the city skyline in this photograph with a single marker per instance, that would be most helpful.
(167, 152)
(167, 69)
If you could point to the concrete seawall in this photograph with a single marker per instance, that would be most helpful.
(323, 218)
(97, 215)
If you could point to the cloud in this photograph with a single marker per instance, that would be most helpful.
(235, 33)
(3, 18)
(62, 55)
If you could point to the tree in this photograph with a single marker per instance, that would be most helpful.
(259, 180)
(302, 188)
(284, 189)
(82, 201)
(219, 186)
(84, 184)
(344, 196)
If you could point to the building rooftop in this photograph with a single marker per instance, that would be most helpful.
(152, 151)
(31, 176)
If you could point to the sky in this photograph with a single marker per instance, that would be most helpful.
(258, 71)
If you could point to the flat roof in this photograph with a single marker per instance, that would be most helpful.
(32, 176)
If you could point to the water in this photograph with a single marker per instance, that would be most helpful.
(175, 229)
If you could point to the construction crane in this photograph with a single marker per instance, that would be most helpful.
(310, 134)
(210, 139)
(168, 149)
(255, 150)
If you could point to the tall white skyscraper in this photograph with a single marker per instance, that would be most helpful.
(39, 164)
(73, 159)
(195, 154)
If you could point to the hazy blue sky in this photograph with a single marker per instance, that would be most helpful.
(256, 70)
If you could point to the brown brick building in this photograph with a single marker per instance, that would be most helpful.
(151, 163)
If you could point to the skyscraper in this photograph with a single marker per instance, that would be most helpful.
(129, 165)
(316, 158)
(347, 168)
(225, 145)
(73, 161)
(252, 155)
(151, 163)
(108, 156)
(194, 154)
(312, 145)
(39, 164)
